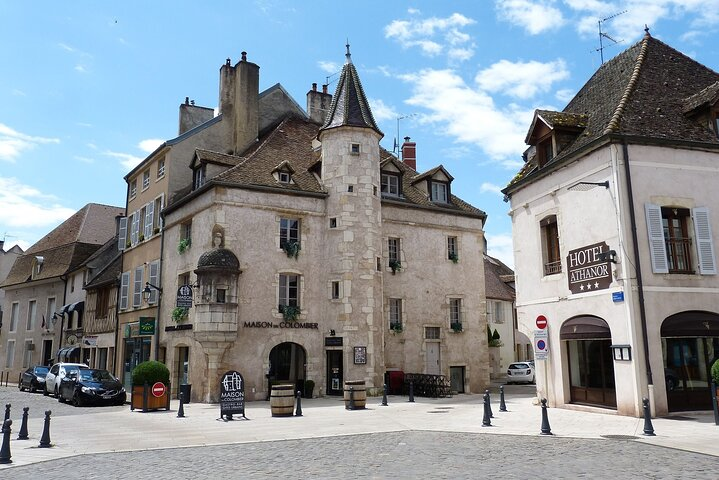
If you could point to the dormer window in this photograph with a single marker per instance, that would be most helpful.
(545, 151)
(390, 185)
(199, 175)
(284, 177)
(440, 192)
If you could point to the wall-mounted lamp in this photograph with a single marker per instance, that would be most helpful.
(608, 256)
(584, 186)
(621, 352)
(147, 291)
(332, 333)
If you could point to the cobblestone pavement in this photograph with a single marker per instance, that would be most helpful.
(38, 403)
(414, 454)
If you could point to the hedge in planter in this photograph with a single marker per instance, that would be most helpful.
(144, 376)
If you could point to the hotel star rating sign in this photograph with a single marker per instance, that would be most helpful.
(588, 268)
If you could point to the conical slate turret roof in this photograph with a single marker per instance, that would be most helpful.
(349, 104)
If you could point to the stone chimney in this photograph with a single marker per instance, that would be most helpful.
(192, 115)
(409, 153)
(318, 104)
(239, 101)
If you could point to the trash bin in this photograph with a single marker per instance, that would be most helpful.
(186, 390)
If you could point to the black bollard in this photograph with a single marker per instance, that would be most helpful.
(411, 392)
(489, 403)
(648, 427)
(486, 422)
(502, 405)
(298, 411)
(181, 408)
(384, 395)
(546, 430)
(7, 413)
(352, 398)
(45, 439)
(5, 450)
(23, 426)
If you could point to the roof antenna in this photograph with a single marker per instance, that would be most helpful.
(396, 147)
(603, 35)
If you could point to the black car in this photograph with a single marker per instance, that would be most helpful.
(33, 378)
(91, 386)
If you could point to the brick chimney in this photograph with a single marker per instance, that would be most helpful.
(318, 104)
(409, 153)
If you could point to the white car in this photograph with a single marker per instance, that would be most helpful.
(58, 372)
(520, 372)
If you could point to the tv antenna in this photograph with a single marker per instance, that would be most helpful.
(396, 146)
(603, 35)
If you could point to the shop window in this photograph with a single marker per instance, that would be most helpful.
(550, 245)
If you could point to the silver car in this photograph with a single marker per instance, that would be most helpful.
(520, 372)
(58, 372)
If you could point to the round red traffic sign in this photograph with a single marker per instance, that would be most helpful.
(158, 389)
(541, 322)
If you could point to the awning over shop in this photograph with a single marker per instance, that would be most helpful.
(585, 328)
(72, 307)
(691, 324)
(65, 353)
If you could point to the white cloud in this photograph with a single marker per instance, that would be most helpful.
(25, 206)
(150, 145)
(80, 68)
(469, 115)
(18, 93)
(329, 67)
(84, 159)
(565, 95)
(500, 246)
(522, 79)
(382, 111)
(126, 160)
(534, 16)
(491, 188)
(434, 35)
(13, 143)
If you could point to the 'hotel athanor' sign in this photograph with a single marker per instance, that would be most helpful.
(587, 270)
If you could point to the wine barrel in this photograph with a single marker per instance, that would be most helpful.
(359, 396)
(282, 400)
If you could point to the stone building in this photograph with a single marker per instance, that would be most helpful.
(311, 253)
(614, 217)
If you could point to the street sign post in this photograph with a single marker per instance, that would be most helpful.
(541, 344)
(158, 389)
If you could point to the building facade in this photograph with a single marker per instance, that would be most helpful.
(614, 219)
(311, 253)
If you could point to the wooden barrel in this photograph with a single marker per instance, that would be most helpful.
(282, 400)
(360, 393)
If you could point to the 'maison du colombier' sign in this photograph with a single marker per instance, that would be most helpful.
(588, 269)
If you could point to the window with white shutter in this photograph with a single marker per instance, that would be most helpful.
(135, 232)
(154, 280)
(704, 241)
(124, 289)
(122, 234)
(149, 218)
(137, 287)
(655, 232)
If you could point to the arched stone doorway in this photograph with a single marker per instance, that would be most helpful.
(690, 344)
(591, 368)
(288, 364)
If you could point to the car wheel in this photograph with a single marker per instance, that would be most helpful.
(77, 401)
(19, 385)
(45, 392)
(33, 389)
(59, 398)
(57, 394)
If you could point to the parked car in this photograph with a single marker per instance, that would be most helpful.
(520, 372)
(33, 378)
(91, 386)
(57, 372)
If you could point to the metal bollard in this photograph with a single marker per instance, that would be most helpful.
(7, 412)
(546, 430)
(5, 449)
(298, 411)
(181, 408)
(486, 422)
(384, 395)
(22, 435)
(352, 398)
(489, 403)
(648, 427)
(502, 405)
(45, 439)
(411, 392)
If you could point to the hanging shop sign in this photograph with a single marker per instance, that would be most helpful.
(588, 270)
(184, 296)
(147, 325)
(232, 395)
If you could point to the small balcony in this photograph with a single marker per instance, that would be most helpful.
(679, 255)
(550, 268)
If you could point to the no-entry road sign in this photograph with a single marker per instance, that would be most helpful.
(158, 389)
(541, 322)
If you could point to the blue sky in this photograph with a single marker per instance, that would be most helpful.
(89, 88)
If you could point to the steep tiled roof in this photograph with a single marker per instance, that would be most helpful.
(104, 265)
(217, 158)
(708, 96)
(642, 92)
(494, 285)
(349, 103)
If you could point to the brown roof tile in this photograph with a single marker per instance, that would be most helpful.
(495, 274)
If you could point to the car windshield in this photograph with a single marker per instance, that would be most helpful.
(41, 370)
(518, 366)
(95, 375)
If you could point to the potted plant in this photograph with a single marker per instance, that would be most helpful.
(395, 265)
(144, 377)
(141, 237)
(183, 245)
(309, 388)
(128, 243)
(292, 249)
(290, 313)
(179, 314)
(156, 231)
(396, 327)
(456, 327)
(495, 341)
(454, 257)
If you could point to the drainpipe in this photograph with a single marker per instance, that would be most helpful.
(637, 260)
(159, 293)
(118, 374)
(62, 319)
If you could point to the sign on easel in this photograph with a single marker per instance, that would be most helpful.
(232, 395)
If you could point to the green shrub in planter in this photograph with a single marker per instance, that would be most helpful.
(715, 372)
(150, 372)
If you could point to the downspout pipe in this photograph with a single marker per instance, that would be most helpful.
(159, 293)
(637, 262)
